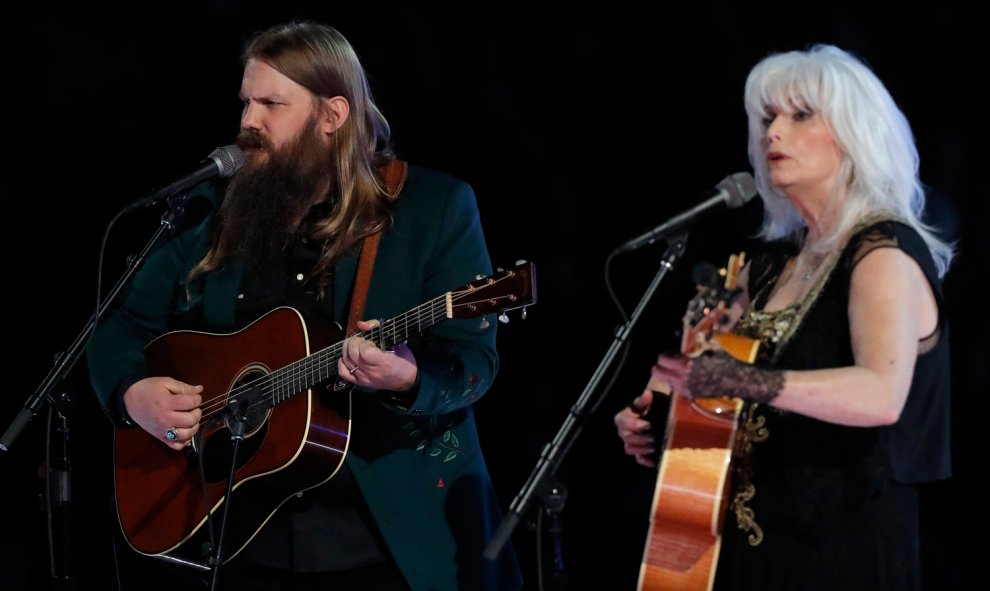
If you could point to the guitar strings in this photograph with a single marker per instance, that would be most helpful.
(288, 381)
(284, 383)
(291, 385)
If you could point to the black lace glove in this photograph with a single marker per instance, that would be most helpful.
(719, 374)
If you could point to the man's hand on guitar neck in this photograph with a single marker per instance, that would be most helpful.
(364, 364)
(163, 406)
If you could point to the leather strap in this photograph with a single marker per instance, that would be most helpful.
(360, 293)
(393, 175)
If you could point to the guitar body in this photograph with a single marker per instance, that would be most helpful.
(694, 477)
(281, 376)
(289, 447)
(691, 495)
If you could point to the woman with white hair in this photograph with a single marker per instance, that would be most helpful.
(847, 404)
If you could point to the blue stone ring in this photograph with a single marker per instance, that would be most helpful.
(170, 434)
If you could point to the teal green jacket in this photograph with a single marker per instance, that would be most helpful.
(419, 466)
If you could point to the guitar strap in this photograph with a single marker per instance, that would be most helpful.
(393, 176)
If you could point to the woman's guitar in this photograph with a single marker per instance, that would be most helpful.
(274, 374)
(691, 495)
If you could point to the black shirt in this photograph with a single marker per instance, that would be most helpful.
(327, 528)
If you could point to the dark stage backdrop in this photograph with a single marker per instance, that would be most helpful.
(577, 129)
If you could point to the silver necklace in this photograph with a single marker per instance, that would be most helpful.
(810, 267)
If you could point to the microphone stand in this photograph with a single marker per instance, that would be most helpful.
(236, 425)
(56, 380)
(542, 482)
(58, 491)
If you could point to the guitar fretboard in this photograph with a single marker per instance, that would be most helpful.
(321, 366)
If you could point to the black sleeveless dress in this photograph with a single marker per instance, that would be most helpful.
(825, 506)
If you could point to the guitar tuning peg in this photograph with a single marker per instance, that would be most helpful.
(521, 262)
(499, 269)
(503, 318)
(524, 312)
(484, 323)
(479, 276)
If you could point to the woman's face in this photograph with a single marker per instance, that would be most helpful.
(802, 154)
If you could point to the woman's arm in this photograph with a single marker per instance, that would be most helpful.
(891, 307)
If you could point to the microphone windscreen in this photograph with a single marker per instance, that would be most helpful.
(229, 159)
(739, 187)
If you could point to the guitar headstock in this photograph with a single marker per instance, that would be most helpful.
(506, 289)
(717, 288)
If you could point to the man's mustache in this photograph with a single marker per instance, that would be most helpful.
(251, 139)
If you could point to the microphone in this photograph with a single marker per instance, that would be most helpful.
(733, 191)
(223, 162)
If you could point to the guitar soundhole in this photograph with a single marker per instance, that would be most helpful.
(252, 405)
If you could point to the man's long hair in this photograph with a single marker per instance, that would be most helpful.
(320, 59)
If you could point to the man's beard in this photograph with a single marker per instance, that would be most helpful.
(265, 200)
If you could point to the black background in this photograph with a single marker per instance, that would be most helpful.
(577, 129)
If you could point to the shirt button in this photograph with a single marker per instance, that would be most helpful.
(300, 277)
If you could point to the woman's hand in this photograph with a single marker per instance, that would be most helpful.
(634, 430)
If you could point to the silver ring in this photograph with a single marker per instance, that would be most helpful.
(353, 369)
(170, 434)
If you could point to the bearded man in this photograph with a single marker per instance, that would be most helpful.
(410, 504)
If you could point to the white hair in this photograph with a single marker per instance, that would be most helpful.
(879, 168)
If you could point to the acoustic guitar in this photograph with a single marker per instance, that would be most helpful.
(275, 375)
(694, 477)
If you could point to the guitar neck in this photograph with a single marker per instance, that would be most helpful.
(321, 366)
(507, 290)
